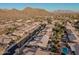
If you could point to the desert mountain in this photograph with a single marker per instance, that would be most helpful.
(35, 11)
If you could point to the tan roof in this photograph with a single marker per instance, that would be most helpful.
(29, 53)
(5, 39)
(45, 39)
(41, 52)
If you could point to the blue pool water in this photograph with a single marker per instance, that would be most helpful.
(65, 50)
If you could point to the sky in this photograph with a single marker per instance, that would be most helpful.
(47, 6)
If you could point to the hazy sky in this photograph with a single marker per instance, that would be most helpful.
(47, 6)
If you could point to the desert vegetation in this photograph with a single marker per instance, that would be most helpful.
(15, 24)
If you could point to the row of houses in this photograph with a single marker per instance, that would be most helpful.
(22, 29)
(40, 43)
(72, 39)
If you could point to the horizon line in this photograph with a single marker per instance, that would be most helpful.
(39, 8)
